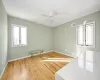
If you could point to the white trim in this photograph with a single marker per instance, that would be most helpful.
(18, 58)
(3, 70)
(63, 53)
(26, 57)
(48, 51)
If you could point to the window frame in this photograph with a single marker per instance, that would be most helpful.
(77, 35)
(19, 35)
(84, 36)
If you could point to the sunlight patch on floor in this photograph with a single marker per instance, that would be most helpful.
(58, 59)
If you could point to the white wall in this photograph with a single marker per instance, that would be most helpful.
(3, 37)
(39, 37)
(65, 36)
(61, 38)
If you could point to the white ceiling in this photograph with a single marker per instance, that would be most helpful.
(32, 9)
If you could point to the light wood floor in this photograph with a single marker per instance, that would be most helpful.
(41, 67)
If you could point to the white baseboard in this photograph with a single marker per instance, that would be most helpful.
(43, 53)
(18, 58)
(63, 53)
(3, 70)
(48, 51)
(26, 57)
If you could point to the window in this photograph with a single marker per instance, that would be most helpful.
(81, 35)
(85, 34)
(19, 35)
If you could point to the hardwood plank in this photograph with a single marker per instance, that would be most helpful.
(40, 67)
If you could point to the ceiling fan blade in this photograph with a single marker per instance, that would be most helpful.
(65, 13)
(45, 15)
(84, 22)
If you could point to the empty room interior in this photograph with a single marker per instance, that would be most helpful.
(49, 39)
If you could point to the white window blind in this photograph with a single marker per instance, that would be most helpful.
(19, 35)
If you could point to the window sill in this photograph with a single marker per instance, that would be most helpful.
(86, 46)
(19, 46)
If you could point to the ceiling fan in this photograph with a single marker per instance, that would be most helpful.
(51, 15)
